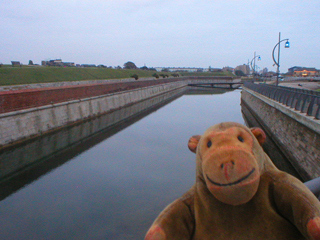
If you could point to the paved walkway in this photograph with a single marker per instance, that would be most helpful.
(301, 84)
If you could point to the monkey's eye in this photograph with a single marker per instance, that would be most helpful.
(240, 139)
(209, 144)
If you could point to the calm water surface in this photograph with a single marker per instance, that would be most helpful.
(115, 189)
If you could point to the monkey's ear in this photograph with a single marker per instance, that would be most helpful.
(193, 143)
(259, 134)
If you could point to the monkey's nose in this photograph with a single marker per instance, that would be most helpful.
(227, 164)
(226, 168)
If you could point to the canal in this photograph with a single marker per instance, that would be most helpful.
(112, 183)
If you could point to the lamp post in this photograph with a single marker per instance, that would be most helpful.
(287, 45)
(254, 64)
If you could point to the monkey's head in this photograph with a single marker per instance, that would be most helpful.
(230, 161)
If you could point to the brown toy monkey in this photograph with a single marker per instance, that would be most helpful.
(238, 194)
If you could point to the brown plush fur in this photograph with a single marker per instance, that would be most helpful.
(238, 194)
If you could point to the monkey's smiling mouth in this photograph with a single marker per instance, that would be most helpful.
(232, 183)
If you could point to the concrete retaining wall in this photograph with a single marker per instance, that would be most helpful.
(19, 125)
(297, 135)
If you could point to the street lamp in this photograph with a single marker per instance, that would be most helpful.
(254, 65)
(287, 45)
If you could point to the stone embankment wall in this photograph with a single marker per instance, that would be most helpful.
(50, 109)
(297, 135)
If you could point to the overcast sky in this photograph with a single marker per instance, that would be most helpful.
(160, 33)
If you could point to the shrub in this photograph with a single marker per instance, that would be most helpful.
(135, 76)
(155, 75)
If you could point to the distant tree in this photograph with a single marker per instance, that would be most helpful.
(144, 68)
(155, 75)
(129, 65)
(152, 69)
(30, 62)
(239, 73)
(118, 67)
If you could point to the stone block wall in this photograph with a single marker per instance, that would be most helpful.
(296, 134)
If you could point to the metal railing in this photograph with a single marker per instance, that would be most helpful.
(305, 101)
(314, 186)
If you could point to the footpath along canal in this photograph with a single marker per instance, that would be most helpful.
(113, 185)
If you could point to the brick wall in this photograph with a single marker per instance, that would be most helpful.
(300, 143)
(29, 98)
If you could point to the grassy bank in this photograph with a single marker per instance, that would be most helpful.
(26, 75)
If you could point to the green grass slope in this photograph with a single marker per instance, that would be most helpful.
(26, 75)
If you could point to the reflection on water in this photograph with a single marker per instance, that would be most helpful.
(30, 160)
(111, 185)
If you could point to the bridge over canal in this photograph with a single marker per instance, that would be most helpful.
(222, 84)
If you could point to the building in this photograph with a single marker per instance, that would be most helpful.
(57, 63)
(303, 72)
(244, 68)
(15, 63)
(228, 69)
(292, 69)
(306, 73)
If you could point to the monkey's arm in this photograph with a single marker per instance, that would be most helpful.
(176, 221)
(298, 204)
